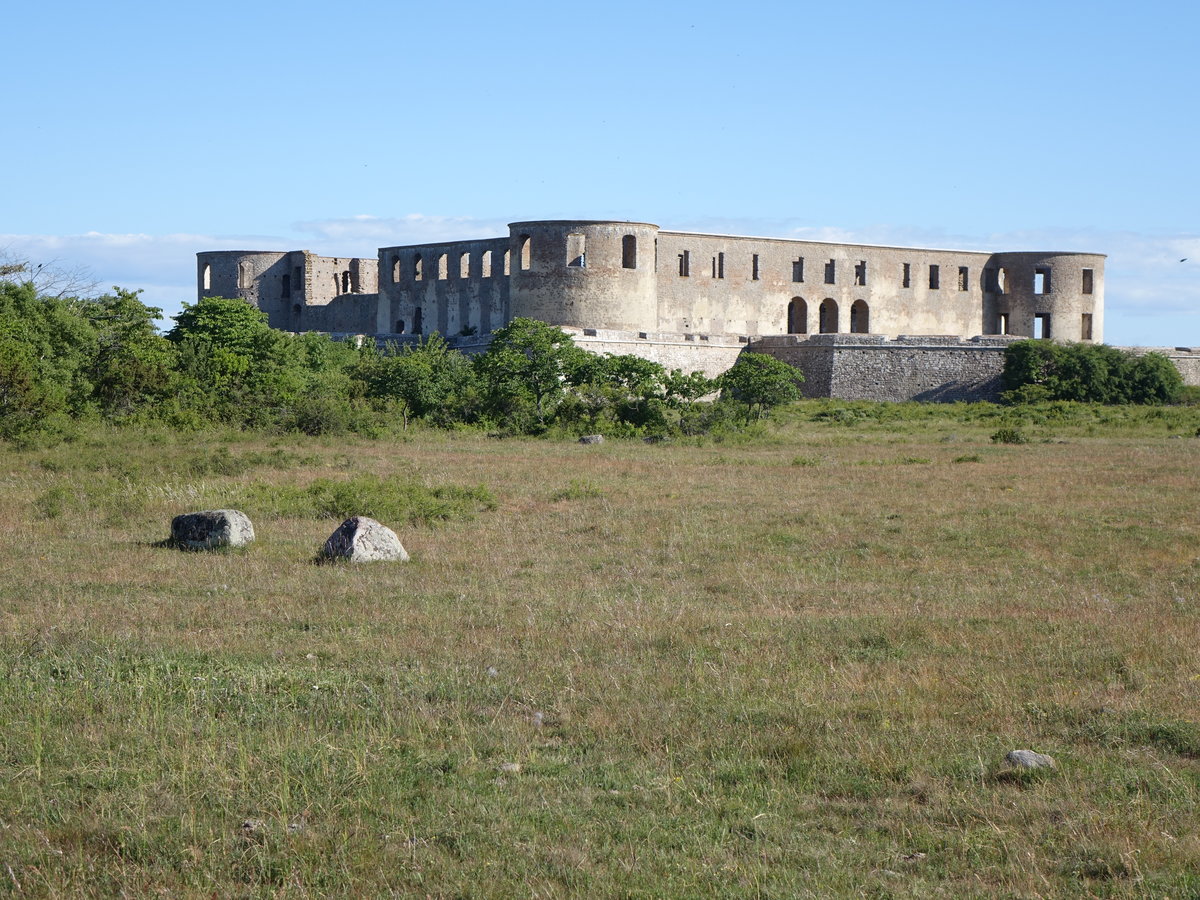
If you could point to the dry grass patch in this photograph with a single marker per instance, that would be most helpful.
(695, 669)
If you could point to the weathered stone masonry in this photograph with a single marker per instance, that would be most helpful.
(888, 323)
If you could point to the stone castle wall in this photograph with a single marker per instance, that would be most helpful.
(870, 367)
(887, 323)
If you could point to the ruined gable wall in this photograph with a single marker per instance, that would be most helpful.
(457, 286)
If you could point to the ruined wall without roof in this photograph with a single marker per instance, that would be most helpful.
(452, 288)
(298, 290)
(757, 287)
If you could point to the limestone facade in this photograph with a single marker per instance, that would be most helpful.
(635, 277)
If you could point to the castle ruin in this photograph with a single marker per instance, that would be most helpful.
(694, 301)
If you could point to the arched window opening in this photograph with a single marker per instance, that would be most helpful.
(523, 244)
(485, 264)
(296, 309)
(629, 252)
(395, 270)
(829, 316)
(346, 282)
(507, 255)
(859, 317)
(464, 265)
(443, 267)
(418, 268)
(243, 276)
(797, 316)
(417, 321)
(399, 326)
(207, 277)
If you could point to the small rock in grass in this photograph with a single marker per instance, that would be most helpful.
(360, 539)
(211, 530)
(492, 672)
(592, 439)
(510, 768)
(1028, 759)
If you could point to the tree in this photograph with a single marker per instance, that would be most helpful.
(524, 371)
(761, 382)
(232, 364)
(132, 362)
(49, 335)
(231, 324)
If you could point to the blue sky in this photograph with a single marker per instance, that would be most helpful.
(140, 133)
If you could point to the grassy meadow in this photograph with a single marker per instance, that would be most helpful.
(784, 664)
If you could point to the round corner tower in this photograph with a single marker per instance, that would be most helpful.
(261, 278)
(1051, 295)
(585, 274)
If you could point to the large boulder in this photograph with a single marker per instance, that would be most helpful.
(211, 530)
(360, 539)
(1029, 759)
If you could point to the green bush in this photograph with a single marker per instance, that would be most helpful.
(1009, 436)
(1036, 371)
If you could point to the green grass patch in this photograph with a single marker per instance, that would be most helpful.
(395, 500)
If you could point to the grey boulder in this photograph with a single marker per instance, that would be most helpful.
(211, 529)
(360, 539)
(1029, 759)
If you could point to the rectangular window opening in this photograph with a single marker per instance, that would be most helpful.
(1002, 323)
(1041, 281)
(485, 264)
(754, 267)
(718, 266)
(1041, 326)
(629, 252)
(860, 273)
(443, 267)
(464, 265)
(576, 251)
(831, 272)
(1085, 329)
(964, 278)
(1088, 281)
(685, 264)
(935, 277)
(798, 270)
(906, 278)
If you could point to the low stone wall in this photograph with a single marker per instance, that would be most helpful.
(871, 367)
